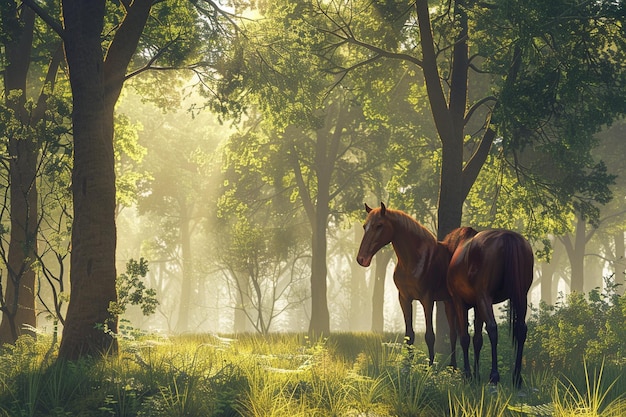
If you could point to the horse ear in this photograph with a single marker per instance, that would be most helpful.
(383, 209)
(367, 208)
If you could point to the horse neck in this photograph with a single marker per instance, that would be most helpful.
(412, 245)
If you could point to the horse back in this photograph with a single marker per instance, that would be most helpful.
(495, 262)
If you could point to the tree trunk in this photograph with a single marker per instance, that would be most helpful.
(20, 290)
(96, 86)
(593, 273)
(19, 297)
(93, 188)
(378, 294)
(576, 254)
(240, 319)
(357, 288)
(186, 290)
(320, 316)
(317, 209)
(619, 268)
(547, 277)
(548, 270)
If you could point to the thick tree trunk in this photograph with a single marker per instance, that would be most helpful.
(96, 86)
(547, 277)
(357, 290)
(548, 269)
(593, 273)
(19, 297)
(93, 271)
(318, 212)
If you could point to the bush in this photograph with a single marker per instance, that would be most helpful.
(578, 327)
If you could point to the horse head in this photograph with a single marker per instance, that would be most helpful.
(378, 233)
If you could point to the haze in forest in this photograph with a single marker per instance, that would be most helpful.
(231, 151)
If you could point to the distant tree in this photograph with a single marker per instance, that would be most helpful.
(328, 144)
(265, 270)
(613, 215)
(378, 289)
(176, 191)
(259, 242)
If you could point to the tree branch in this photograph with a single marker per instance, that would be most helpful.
(54, 25)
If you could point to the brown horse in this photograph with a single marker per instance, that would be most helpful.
(421, 268)
(488, 268)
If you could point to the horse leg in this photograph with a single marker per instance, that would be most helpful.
(407, 312)
(486, 311)
(453, 331)
(478, 342)
(462, 324)
(430, 334)
(519, 332)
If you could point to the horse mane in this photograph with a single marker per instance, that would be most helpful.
(456, 237)
(411, 225)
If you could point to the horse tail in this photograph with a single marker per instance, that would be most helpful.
(518, 276)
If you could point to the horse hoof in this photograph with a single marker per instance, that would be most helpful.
(494, 378)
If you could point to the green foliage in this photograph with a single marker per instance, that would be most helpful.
(128, 156)
(499, 200)
(560, 84)
(592, 399)
(578, 327)
(131, 290)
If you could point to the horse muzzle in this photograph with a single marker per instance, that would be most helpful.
(364, 260)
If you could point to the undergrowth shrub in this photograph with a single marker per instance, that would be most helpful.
(577, 327)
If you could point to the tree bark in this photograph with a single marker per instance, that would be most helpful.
(93, 271)
(96, 84)
(317, 208)
(240, 319)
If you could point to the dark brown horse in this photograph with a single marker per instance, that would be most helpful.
(488, 268)
(421, 268)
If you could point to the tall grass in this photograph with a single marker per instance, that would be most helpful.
(489, 403)
(591, 400)
(353, 375)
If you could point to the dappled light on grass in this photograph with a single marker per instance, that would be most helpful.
(284, 375)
